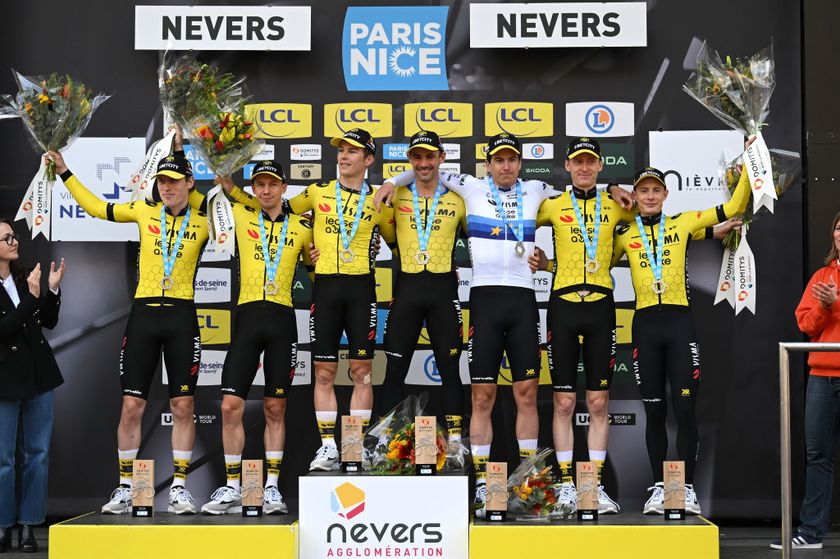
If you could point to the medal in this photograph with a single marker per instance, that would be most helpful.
(519, 232)
(347, 254)
(424, 231)
(169, 259)
(589, 245)
(271, 264)
(658, 285)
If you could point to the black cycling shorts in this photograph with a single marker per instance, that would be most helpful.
(425, 297)
(503, 319)
(343, 303)
(261, 327)
(171, 327)
(567, 322)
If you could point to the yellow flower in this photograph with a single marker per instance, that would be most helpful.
(28, 107)
(43, 98)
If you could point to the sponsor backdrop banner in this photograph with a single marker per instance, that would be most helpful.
(459, 68)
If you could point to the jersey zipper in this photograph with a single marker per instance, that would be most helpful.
(653, 251)
(268, 249)
(169, 245)
(584, 232)
(419, 233)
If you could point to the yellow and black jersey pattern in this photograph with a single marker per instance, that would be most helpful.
(150, 262)
(571, 275)
(449, 215)
(319, 198)
(252, 274)
(679, 229)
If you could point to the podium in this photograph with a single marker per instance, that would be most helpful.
(98, 536)
(629, 535)
(366, 516)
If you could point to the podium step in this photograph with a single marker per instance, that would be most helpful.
(626, 535)
(97, 536)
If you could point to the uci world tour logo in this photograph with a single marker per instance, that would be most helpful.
(395, 48)
(347, 500)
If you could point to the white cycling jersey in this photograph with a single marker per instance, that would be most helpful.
(492, 242)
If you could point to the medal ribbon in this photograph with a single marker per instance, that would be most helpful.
(591, 246)
(519, 232)
(272, 264)
(424, 231)
(169, 262)
(655, 265)
(345, 241)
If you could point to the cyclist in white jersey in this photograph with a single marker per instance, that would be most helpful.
(503, 308)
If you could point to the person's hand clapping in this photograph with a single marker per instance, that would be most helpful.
(34, 281)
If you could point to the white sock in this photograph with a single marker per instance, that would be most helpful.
(273, 476)
(233, 478)
(565, 455)
(180, 456)
(126, 458)
(330, 417)
(365, 415)
(600, 455)
(527, 447)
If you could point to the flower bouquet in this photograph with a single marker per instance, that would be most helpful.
(55, 110)
(787, 166)
(531, 490)
(738, 281)
(390, 442)
(738, 93)
(188, 89)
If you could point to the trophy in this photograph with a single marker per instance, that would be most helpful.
(252, 487)
(425, 445)
(587, 491)
(497, 496)
(351, 444)
(143, 488)
(674, 482)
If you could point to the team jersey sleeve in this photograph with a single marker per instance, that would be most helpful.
(462, 184)
(306, 240)
(811, 316)
(462, 209)
(239, 195)
(544, 212)
(403, 179)
(301, 203)
(702, 234)
(121, 213)
(735, 206)
(618, 250)
(543, 189)
(388, 226)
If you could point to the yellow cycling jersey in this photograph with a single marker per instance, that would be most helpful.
(150, 262)
(252, 271)
(319, 198)
(679, 229)
(574, 281)
(449, 214)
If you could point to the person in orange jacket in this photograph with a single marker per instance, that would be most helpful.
(818, 316)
